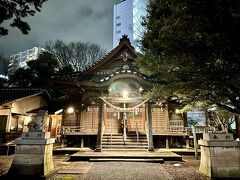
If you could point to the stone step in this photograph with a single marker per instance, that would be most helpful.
(121, 139)
(115, 141)
(116, 135)
(124, 144)
(129, 137)
(157, 160)
(124, 147)
(128, 134)
(127, 140)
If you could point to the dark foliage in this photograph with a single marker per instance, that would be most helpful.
(15, 10)
(194, 46)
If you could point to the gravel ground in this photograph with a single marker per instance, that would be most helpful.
(127, 171)
(185, 170)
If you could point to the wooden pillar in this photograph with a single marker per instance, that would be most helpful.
(99, 134)
(150, 136)
(187, 142)
(167, 143)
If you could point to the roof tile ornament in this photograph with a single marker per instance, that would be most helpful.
(124, 56)
(124, 38)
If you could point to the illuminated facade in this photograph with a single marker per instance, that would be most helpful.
(107, 100)
(104, 100)
(128, 15)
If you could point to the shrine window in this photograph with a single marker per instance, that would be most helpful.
(17, 124)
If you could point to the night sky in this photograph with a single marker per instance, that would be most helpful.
(66, 20)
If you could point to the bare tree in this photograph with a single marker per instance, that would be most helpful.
(78, 54)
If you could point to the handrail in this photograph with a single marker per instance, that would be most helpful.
(137, 134)
(111, 132)
(147, 134)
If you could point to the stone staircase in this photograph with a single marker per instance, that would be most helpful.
(116, 142)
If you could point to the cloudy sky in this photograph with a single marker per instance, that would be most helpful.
(67, 20)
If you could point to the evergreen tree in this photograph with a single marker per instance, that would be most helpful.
(38, 72)
(194, 48)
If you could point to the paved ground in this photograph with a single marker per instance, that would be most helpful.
(118, 170)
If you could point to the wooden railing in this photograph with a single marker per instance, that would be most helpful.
(75, 130)
(78, 130)
(170, 131)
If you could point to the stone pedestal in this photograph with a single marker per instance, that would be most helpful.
(33, 155)
(220, 155)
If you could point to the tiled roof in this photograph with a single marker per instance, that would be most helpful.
(74, 76)
(11, 94)
(125, 71)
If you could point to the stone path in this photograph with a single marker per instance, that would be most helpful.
(99, 170)
(127, 170)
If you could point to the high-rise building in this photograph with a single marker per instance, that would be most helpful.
(19, 60)
(127, 18)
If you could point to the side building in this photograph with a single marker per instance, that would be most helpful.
(18, 106)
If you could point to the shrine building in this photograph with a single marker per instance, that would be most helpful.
(104, 107)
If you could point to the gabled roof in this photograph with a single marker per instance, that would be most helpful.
(11, 94)
(124, 44)
(99, 73)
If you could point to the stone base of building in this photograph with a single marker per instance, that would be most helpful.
(220, 156)
(33, 155)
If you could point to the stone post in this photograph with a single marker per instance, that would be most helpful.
(220, 155)
(150, 136)
(195, 141)
(33, 152)
(187, 142)
(82, 142)
(99, 134)
(167, 143)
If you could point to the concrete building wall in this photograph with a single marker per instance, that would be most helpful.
(20, 59)
(128, 16)
(122, 21)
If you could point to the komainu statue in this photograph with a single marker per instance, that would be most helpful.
(37, 124)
